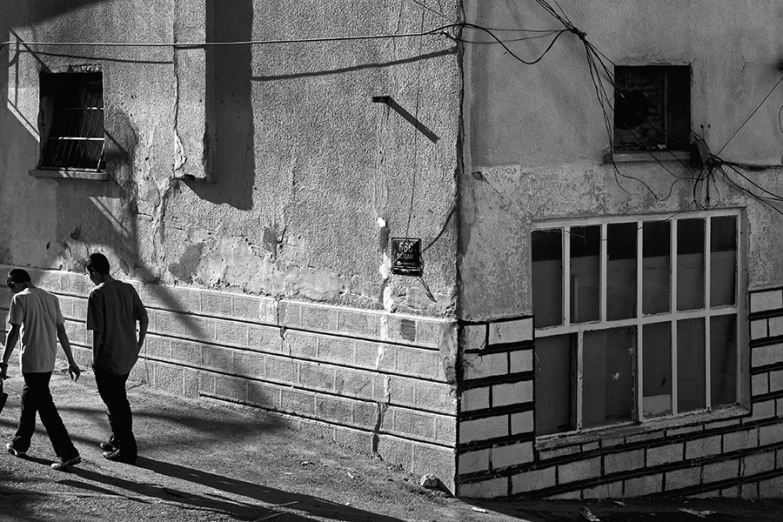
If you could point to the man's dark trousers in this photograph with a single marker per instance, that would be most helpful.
(36, 397)
(111, 388)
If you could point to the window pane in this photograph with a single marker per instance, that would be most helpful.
(723, 360)
(691, 391)
(553, 385)
(723, 261)
(608, 379)
(621, 271)
(548, 277)
(656, 262)
(690, 264)
(657, 374)
(585, 274)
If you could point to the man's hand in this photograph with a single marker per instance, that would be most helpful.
(3, 371)
(74, 371)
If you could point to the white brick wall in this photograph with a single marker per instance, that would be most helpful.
(496, 487)
(617, 462)
(475, 399)
(511, 331)
(579, 470)
(473, 461)
(522, 422)
(475, 336)
(489, 365)
(664, 454)
(521, 361)
(533, 480)
(512, 454)
(764, 355)
(758, 329)
(483, 429)
(766, 301)
(512, 393)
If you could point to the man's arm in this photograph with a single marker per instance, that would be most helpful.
(73, 368)
(11, 338)
(97, 339)
(144, 323)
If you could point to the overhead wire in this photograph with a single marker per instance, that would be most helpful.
(752, 114)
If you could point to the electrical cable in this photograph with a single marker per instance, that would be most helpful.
(428, 8)
(752, 113)
(520, 39)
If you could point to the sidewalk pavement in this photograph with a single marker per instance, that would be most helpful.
(202, 460)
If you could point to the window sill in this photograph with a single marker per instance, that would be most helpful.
(69, 174)
(646, 156)
(616, 434)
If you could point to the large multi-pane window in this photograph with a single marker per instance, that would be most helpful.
(636, 318)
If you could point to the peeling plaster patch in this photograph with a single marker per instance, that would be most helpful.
(383, 238)
(448, 351)
(387, 388)
(179, 156)
(381, 353)
(384, 327)
(388, 300)
(187, 266)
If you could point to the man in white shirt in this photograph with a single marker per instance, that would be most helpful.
(36, 314)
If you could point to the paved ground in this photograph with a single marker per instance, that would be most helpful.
(201, 461)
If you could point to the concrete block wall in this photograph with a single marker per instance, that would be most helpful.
(496, 420)
(381, 382)
(731, 453)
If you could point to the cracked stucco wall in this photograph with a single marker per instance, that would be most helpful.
(263, 169)
(536, 135)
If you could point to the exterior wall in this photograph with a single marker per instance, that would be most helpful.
(265, 169)
(534, 153)
(736, 454)
(382, 383)
(252, 194)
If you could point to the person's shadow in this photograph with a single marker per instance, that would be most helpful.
(273, 498)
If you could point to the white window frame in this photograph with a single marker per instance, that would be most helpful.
(640, 319)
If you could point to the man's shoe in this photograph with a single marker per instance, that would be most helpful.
(108, 446)
(15, 452)
(116, 456)
(65, 464)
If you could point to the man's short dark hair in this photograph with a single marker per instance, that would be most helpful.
(17, 275)
(98, 263)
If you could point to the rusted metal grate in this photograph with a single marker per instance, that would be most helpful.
(72, 121)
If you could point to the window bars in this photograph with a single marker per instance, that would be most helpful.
(71, 120)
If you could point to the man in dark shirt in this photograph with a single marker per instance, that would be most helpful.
(113, 308)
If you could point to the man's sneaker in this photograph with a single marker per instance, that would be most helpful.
(13, 451)
(116, 456)
(65, 464)
(108, 446)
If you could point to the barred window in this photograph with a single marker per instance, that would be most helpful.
(636, 318)
(652, 108)
(71, 121)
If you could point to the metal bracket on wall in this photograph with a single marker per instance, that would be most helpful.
(389, 101)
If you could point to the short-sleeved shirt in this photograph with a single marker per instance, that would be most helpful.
(113, 308)
(38, 313)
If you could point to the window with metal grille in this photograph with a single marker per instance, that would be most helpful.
(71, 121)
(636, 319)
(652, 108)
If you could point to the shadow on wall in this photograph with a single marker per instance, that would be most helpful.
(229, 106)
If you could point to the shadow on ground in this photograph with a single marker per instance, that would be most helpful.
(272, 498)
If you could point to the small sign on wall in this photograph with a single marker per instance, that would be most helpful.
(406, 256)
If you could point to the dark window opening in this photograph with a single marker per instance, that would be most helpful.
(71, 121)
(652, 108)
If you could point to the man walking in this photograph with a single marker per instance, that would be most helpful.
(113, 308)
(36, 313)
